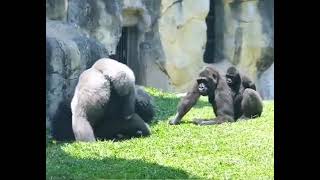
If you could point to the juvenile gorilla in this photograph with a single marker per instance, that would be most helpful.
(210, 84)
(247, 101)
(104, 102)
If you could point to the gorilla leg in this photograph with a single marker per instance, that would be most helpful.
(217, 120)
(82, 129)
(186, 104)
(222, 107)
(251, 104)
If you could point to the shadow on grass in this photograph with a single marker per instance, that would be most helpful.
(61, 165)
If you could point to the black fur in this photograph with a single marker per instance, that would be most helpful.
(211, 84)
(144, 104)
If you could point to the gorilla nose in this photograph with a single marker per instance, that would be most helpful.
(229, 80)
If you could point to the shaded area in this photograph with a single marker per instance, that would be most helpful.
(215, 33)
(61, 165)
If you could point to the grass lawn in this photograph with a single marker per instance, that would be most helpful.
(241, 150)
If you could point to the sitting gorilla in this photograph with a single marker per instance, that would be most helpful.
(247, 101)
(210, 84)
(105, 103)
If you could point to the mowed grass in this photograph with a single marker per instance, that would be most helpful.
(240, 150)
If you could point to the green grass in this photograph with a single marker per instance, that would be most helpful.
(240, 150)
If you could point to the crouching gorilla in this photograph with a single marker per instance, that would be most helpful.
(104, 103)
(211, 84)
(247, 101)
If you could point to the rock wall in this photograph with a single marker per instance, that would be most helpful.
(182, 30)
(104, 20)
(243, 37)
(248, 38)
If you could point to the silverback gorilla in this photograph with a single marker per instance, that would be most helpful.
(247, 101)
(211, 84)
(103, 105)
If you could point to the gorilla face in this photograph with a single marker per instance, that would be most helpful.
(207, 82)
(203, 86)
(233, 78)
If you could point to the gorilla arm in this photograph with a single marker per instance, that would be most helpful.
(129, 104)
(222, 104)
(186, 104)
(83, 130)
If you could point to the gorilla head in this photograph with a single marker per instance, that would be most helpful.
(207, 81)
(233, 78)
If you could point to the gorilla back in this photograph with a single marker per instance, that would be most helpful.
(103, 105)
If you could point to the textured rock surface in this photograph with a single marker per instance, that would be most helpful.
(243, 37)
(100, 19)
(56, 9)
(103, 21)
(182, 30)
(266, 83)
(248, 37)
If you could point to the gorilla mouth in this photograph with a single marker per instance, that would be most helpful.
(203, 92)
(229, 81)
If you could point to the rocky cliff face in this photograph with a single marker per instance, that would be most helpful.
(170, 41)
(248, 39)
(243, 33)
(182, 30)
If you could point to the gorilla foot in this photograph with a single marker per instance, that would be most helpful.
(174, 122)
(119, 136)
(139, 133)
(197, 121)
(203, 122)
(243, 117)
